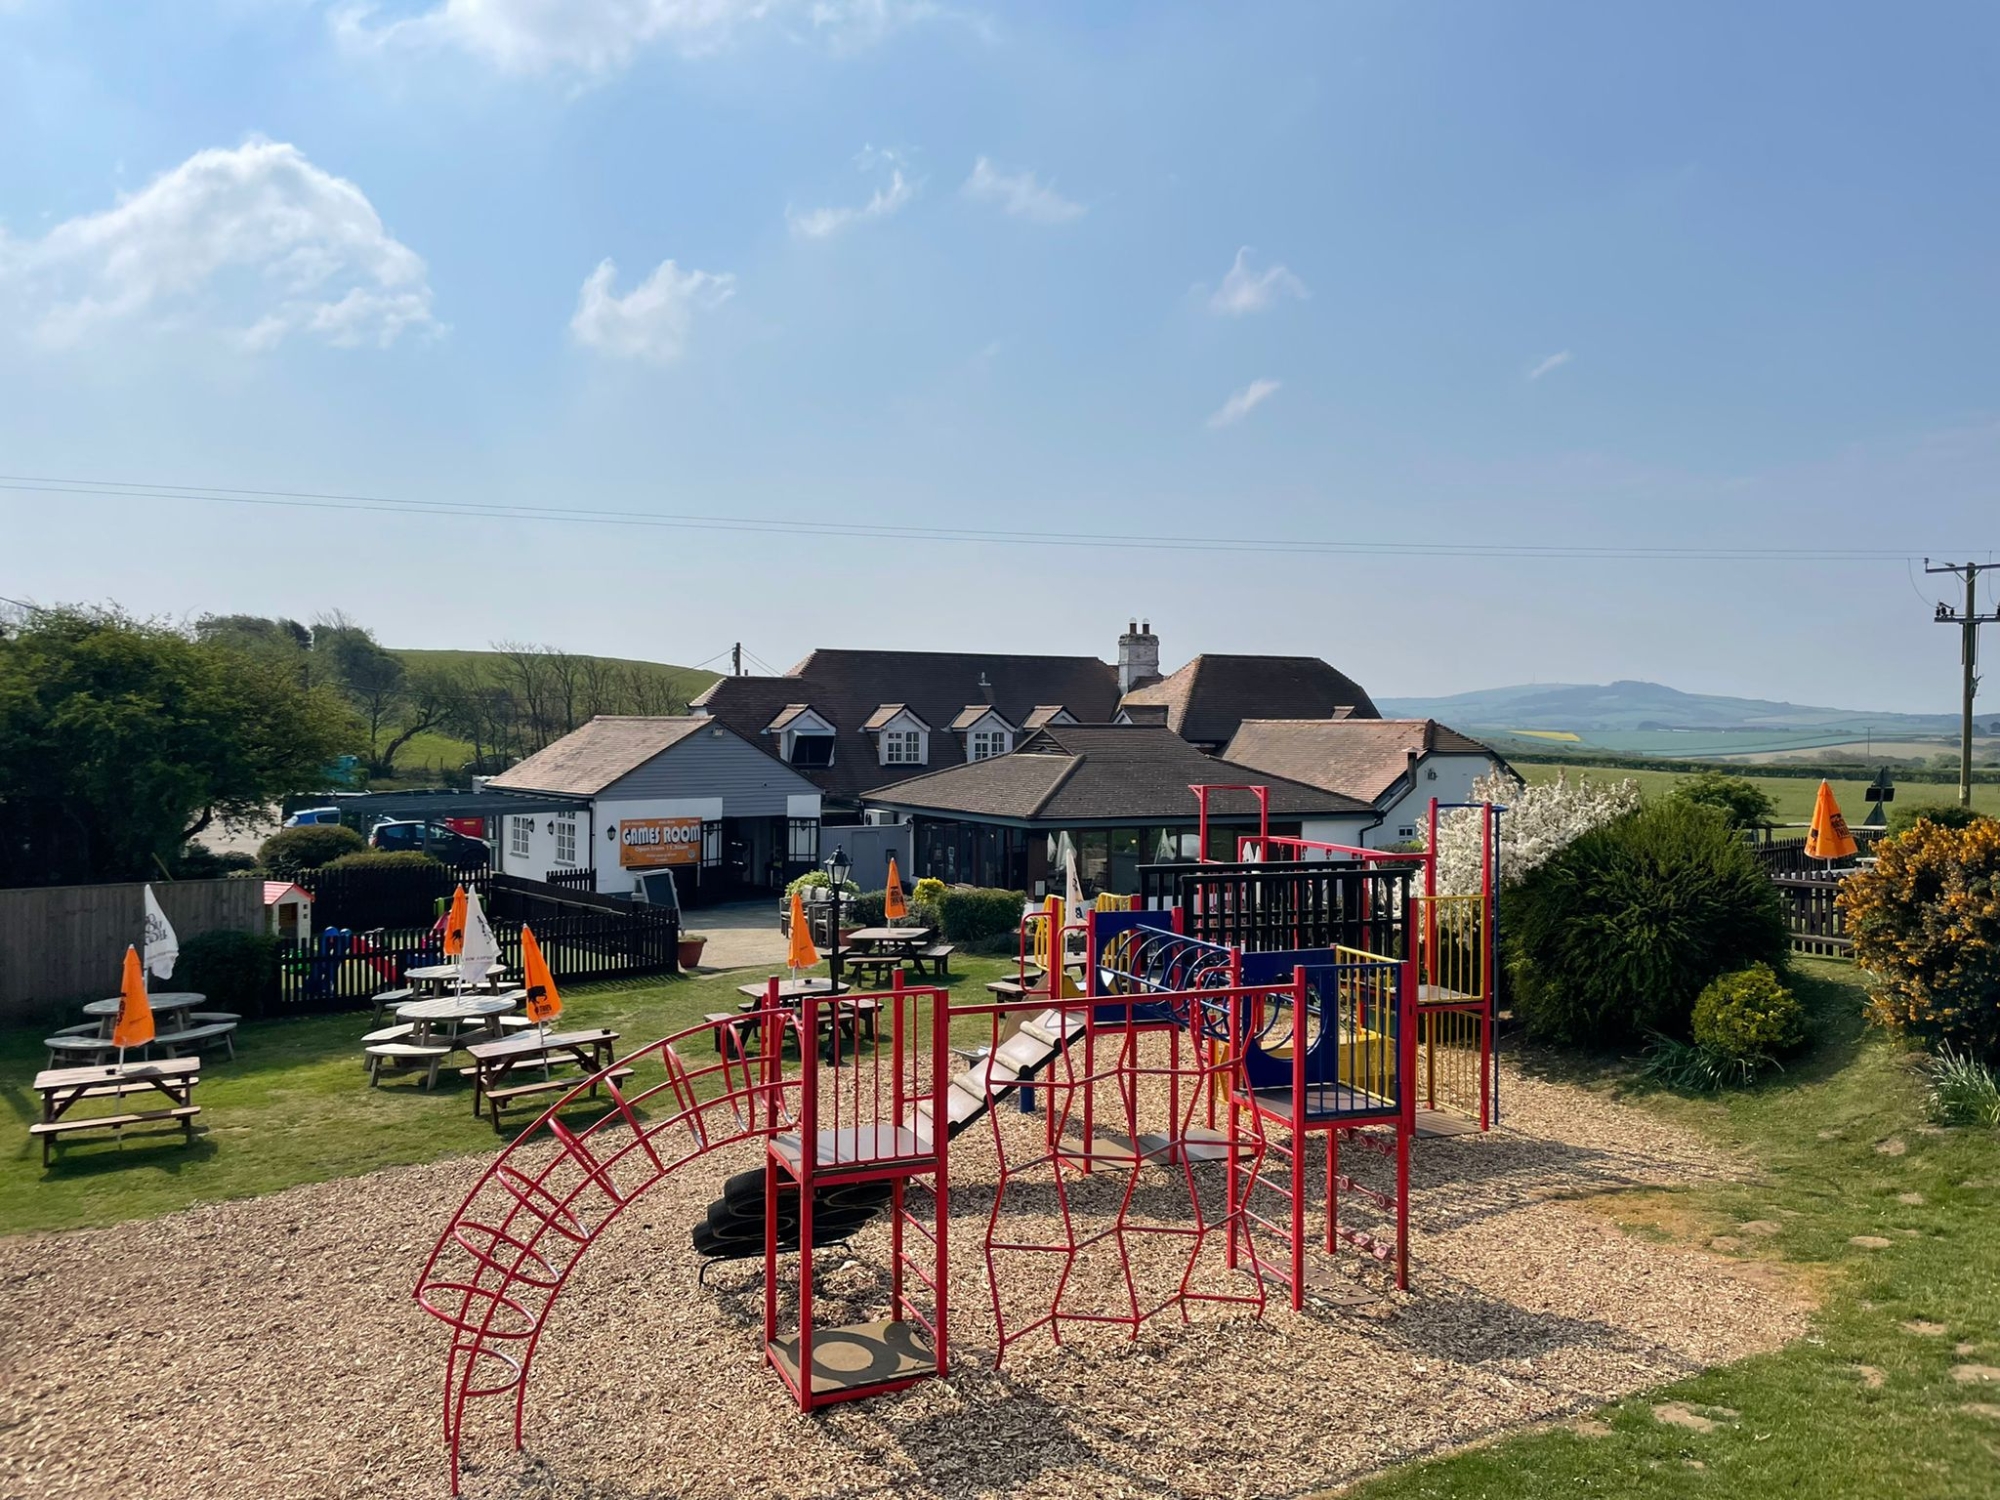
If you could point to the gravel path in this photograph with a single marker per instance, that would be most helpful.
(269, 1348)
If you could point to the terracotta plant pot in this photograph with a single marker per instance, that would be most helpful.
(690, 951)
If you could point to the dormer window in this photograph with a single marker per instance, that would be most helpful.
(902, 738)
(986, 732)
(984, 744)
(810, 752)
(805, 740)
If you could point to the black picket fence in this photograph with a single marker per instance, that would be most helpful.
(1788, 856)
(581, 935)
(364, 899)
(572, 880)
(1267, 909)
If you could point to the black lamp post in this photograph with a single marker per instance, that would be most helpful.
(837, 868)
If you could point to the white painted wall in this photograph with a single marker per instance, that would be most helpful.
(541, 856)
(1335, 830)
(612, 878)
(1448, 778)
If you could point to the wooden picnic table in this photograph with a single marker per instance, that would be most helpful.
(493, 1062)
(62, 1088)
(167, 1003)
(439, 977)
(448, 1010)
(790, 991)
(888, 939)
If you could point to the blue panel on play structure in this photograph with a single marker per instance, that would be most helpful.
(1351, 1023)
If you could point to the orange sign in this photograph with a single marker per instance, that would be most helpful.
(648, 843)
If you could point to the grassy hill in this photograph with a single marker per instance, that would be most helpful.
(687, 680)
(427, 756)
(1594, 710)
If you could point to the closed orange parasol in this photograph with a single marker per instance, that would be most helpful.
(893, 904)
(454, 925)
(544, 1004)
(134, 1027)
(1828, 837)
(802, 954)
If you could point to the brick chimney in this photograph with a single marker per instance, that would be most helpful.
(1138, 656)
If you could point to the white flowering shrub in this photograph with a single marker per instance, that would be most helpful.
(1539, 822)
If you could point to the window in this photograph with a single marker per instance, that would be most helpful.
(902, 747)
(986, 743)
(812, 751)
(802, 844)
(566, 839)
(520, 837)
(1407, 831)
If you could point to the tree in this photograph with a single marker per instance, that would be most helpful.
(1742, 803)
(370, 676)
(121, 739)
(1539, 822)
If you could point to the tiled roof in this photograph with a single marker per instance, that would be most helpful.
(1094, 772)
(1362, 757)
(882, 716)
(785, 716)
(1206, 699)
(972, 713)
(587, 760)
(847, 687)
(1042, 713)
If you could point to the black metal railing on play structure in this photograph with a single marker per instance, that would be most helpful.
(1264, 908)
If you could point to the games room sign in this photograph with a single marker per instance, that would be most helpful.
(648, 843)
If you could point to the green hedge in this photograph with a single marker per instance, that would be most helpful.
(385, 859)
(236, 971)
(290, 851)
(1616, 935)
(972, 914)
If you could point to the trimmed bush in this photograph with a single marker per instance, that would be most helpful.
(1742, 803)
(1925, 922)
(1749, 1015)
(864, 910)
(973, 914)
(819, 880)
(236, 971)
(385, 859)
(1906, 815)
(1618, 933)
(291, 851)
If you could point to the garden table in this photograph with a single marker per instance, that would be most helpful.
(61, 1088)
(449, 1010)
(493, 1062)
(169, 1007)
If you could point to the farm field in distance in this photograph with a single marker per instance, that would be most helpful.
(1792, 794)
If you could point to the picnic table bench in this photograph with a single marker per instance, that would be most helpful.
(63, 1088)
(492, 1062)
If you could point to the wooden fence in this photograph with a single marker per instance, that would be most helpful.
(1808, 888)
(572, 880)
(60, 944)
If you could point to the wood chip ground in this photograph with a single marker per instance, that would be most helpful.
(270, 1347)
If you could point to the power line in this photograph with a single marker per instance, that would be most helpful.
(568, 515)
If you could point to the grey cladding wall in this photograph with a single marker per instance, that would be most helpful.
(716, 763)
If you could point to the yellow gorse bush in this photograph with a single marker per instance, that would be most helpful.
(1925, 923)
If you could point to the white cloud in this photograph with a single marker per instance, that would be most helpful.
(257, 239)
(651, 321)
(1245, 401)
(1020, 195)
(603, 36)
(1542, 367)
(1246, 291)
(821, 223)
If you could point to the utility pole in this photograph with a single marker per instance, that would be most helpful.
(736, 661)
(1968, 621)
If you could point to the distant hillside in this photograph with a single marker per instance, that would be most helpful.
(1614, 707)
(686, 682)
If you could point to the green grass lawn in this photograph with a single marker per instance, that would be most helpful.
(1863, 1406)
(295, 1107)
(1792, 794)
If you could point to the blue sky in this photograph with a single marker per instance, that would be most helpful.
(1585, 275)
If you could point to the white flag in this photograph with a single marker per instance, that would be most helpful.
(1075, 909)
(482, 949)
(162, 948)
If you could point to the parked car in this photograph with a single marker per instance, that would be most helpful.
(434, 839)
(307, 817)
